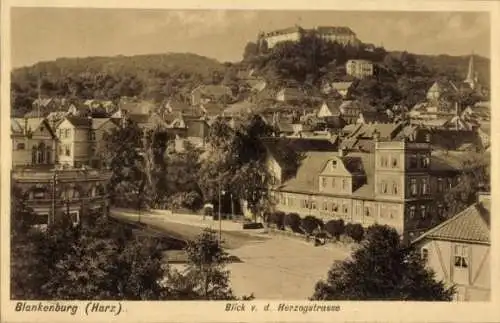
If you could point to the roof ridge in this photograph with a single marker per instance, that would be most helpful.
(447, 222)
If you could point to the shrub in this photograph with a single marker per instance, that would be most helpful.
(335, 228)
(292, 221)
(279, 219)
(310, 223)
(355, 231)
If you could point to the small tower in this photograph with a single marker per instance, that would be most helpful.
(472, 76)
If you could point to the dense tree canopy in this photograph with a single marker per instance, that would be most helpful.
(382, 269)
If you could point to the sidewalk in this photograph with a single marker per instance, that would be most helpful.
(189, 219)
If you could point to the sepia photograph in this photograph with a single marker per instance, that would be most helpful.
(161, 154)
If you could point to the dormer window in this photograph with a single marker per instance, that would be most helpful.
(334, 163)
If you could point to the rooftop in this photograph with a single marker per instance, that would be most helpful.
(470, 225)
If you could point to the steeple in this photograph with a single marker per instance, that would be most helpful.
(471, 78)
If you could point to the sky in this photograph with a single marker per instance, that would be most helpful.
(41, 34)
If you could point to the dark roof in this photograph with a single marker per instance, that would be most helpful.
(470, 225)
(338, 30)
(300, 144)
(79, 121)
(284, 31)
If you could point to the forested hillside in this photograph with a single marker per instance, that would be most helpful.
(146, 76)
(400, 77)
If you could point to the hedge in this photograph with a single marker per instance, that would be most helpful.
(335, 228)
(355, 231)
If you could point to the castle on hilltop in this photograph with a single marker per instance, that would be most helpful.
(342, 35)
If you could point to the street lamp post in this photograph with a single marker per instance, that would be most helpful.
(221, 192)
(54, 185)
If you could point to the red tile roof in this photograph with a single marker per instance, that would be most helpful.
(470, 225)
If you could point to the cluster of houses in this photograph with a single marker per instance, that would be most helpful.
(355, 163)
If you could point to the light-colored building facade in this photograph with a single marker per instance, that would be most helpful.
(33, 142)
(289, 34)
(458, 251)
(359, 68)
(75, 136)
(393, 186)
(51, 187)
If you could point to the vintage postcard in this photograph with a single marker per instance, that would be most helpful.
(225, 161)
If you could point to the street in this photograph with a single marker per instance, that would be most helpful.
(270, 267)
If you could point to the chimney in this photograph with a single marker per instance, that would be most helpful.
(342, 151)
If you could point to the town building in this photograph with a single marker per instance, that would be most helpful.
(51, 188)
(394, 185)
(292, 34)
(458, 251)
(211, 94)
(340, 34)
(359, 68)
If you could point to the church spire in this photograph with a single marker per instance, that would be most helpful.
(471, 73)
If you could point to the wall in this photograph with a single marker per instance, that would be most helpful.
(273, 40)
(441, 261)
(350, 210)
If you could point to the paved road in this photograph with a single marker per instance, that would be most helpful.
(231, 239)
(270, 267)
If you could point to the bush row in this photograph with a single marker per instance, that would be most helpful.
(310, 225)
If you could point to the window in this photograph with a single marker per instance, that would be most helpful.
(450, 183)
(440, 185)
(38, 194)
(333, 182)
(67, 150)
(423, 211)
(21, 146)
(424, 254)
(367, 211)
(290, 201)
(334, 163)
(383, 161)
(91, 135)
(461, 256)
(325, 206)
(394, 162)
(313, 205)
(345, 208)
(323, 182)
(75, 217)
(384, 187)
(412, 212)
(424, 161)
(344, 184)
(335, 207)
(425, 186)
(413, 186)
(66, 133)
(413, 161)
(394, 188)
(440, 209)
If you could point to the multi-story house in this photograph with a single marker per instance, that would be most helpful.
(33, 142)
(51, 188)
(359, 68)
(458, 251)
(75, 135)
(394, 185)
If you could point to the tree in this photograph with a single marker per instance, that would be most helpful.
(309, 224)
(100, 260)
(292, 221)
(335, 228)
(382, 269)
(355, 231)
(205, 277)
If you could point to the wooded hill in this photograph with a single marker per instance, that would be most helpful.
(402, 78)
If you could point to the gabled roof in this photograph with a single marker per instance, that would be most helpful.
(213, 90)
(79, 122)
(333, 106)
(18, 124)
(97, 123)
(337, 30)
(470, 225)
(137, 107)
(283, 31)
